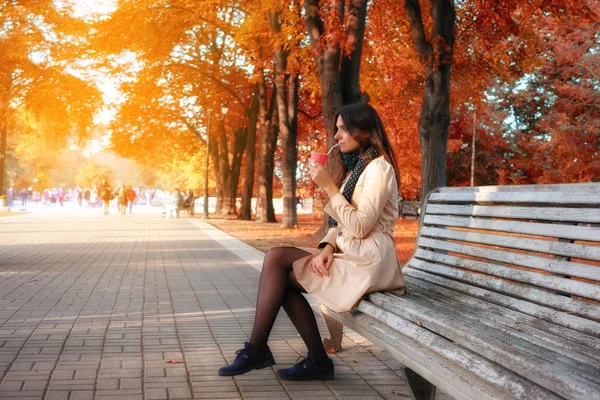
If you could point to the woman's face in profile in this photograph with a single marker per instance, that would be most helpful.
(346, 142)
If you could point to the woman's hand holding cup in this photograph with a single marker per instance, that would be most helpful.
(321, 177)
(320, 158)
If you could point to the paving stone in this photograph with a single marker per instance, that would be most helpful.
(82, 395)
(57, 395)
(130, 383)
(11, 385)
(179, 393)
(157, 393)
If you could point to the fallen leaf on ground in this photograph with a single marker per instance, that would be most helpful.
(174, 362)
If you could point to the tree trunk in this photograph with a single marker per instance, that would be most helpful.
(230, 174)
(264, 207)
(270, 165)
(350, 70)
(291, 152)
(328, 61)
(246, 205)
(436, 54)
(3, 134)
(226, 205)
(289, 158)
(239, 145)
(287, 108)
(214, 153)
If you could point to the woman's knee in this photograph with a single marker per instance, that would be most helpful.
(273, 254)
(282, 257)
(274, 258)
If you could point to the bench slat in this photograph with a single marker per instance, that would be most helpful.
(526, 344)
(452, 368)
(541, 263)
(541, 313)
(504, 319)
(561, 187)
(518, 227)
(558, 302)
(563, 214)
(558, 198)
(577, 288)
(575, 250)
(529, 345)
(517, 356)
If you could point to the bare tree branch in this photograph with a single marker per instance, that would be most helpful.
(308, 115)
(416, 25)
(193, 129)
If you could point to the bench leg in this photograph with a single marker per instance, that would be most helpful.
(419, 387)
(333, 343)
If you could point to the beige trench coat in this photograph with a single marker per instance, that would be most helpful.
(365, 258)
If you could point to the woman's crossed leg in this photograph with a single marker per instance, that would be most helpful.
(278, 287)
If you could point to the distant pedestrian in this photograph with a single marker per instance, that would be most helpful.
(188, 203)
(60, 196)
(35, 197)
(121, 193)
(79, 196)
(131, 196)
(175, 204)
(105, 194)
(24, 196)
(93, 198)
(86, 197)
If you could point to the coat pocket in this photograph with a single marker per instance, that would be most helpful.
(363, 251)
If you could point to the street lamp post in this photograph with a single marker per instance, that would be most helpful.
(224, 111)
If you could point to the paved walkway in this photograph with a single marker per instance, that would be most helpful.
(137, 307)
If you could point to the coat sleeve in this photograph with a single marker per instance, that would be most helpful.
(330, 238)
(378, 185)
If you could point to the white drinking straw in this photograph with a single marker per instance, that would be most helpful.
(333, 147)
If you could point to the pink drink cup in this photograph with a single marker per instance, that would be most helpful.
(321, 158)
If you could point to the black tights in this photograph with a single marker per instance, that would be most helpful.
(279, 287)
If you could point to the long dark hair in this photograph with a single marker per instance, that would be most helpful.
(364, 125)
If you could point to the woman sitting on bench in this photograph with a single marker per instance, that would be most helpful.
(357, 256)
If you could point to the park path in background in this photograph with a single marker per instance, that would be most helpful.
(139, 307)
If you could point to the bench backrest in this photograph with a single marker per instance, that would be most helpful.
(533, 243)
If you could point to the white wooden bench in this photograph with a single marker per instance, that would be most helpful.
(503, 296)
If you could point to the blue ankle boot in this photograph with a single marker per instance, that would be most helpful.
(309, 369)
(248, 359)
